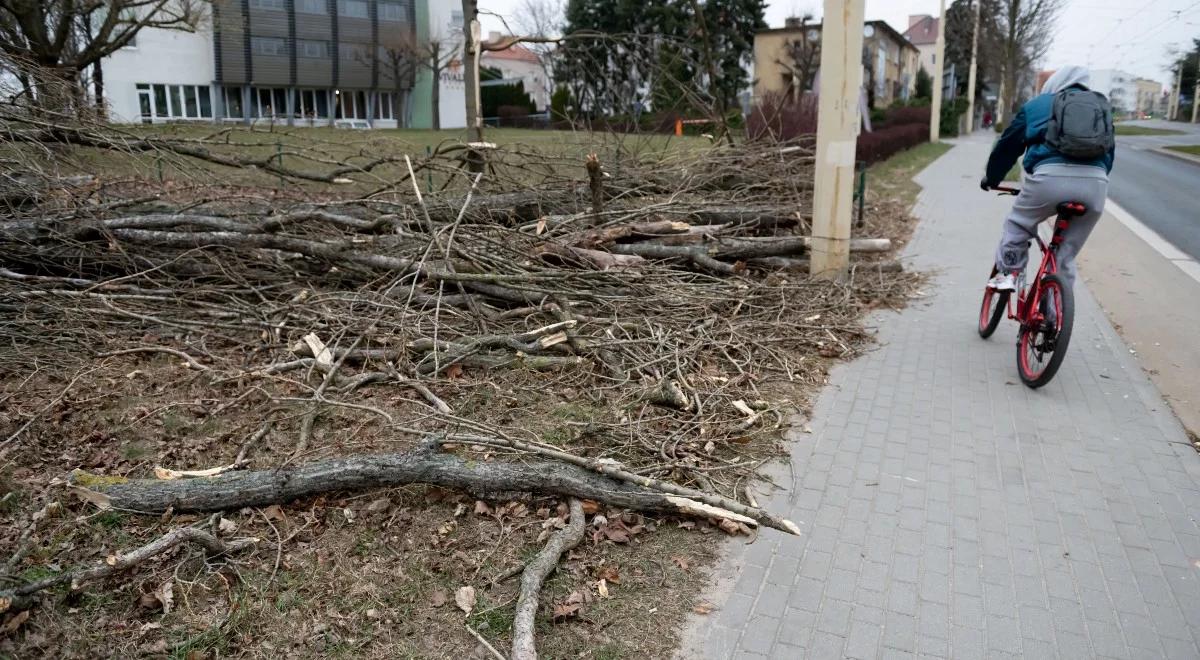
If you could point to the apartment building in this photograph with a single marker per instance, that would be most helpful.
(889, 60)
(295, 62)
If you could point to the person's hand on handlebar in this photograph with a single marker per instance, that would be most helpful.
(984, 184)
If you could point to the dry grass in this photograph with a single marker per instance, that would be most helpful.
(374, 574)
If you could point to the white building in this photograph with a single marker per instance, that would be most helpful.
(299, 62)
(518, 63)
(1120, 88)
(162, 75)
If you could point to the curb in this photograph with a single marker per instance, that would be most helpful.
(1177, 155)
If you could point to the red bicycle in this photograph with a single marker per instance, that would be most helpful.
(1045, 309)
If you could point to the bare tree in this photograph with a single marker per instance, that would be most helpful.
(51, 42)
(803, 57)
(1026, 29)
(542, 19)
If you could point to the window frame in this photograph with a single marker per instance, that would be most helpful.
(257, 43)
(344, 5)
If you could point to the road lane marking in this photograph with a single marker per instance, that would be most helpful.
(1188, 265)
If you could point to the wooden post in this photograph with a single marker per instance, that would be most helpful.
(971, 75)
(939, 55)
(471, 51)
(837, 127)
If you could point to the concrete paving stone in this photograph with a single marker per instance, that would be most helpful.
(759, 635)
(825, 645)
(900, 631)
(863, 642)
(951, 512)
(834, 617)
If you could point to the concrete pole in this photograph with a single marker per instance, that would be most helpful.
(1196, 91)
(1173, 106)
(837, 128)
(939, 57)
(971, 75)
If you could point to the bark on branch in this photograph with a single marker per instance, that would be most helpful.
(426, 465)
(535, 574)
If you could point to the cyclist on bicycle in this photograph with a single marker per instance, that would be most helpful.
(1069, 165)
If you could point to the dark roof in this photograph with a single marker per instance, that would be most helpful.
(923, 32)
(878, 25)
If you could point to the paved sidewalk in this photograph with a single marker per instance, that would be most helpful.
(952, 512)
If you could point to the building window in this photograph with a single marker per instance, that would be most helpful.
(312, 6)
(233, 102)
(352, 51)
(384, 106)
(175, 101)
(310, 48)
(350, 104)
(313, 104)
(268, 46)
(352, 8)
(391, 11)
(456, 17)
(267, 4)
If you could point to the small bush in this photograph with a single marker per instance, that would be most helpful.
(778, 117)
(902, 115)
(878, 145)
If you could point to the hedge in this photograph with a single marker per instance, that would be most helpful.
(777, 118)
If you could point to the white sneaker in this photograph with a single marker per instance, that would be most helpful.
(1003, 282)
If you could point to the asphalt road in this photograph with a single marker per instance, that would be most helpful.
(1159, 190)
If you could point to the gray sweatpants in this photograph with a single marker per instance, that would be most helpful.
(1041, 193)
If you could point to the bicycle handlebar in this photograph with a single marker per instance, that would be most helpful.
(1007, 190)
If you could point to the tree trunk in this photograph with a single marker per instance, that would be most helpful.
(471, 70)
(98, 90)
(435, 95)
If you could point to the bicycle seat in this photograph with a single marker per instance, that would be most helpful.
(1071, 209)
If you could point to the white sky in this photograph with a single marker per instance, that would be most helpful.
(1131, 35)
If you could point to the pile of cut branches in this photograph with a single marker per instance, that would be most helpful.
(662, 301)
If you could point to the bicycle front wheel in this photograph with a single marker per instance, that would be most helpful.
(992, 310)
(1042, 347)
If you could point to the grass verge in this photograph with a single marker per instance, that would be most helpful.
(893, 177)
(1125, 129)
(1192, 149)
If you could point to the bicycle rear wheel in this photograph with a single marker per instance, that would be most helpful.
(992, 309)
(1041, 349)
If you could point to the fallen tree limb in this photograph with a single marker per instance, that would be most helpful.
(18, 597)
(535, 574)
(740, 248)
(801, 265)
(233, 490)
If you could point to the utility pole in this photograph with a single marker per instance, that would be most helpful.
(971, 75)
(837, 129)
(1173, 106)
(939, 56)
(1196, 90)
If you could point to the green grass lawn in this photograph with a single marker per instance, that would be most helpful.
(1125, 129)
(1193, 149)
(893, 177)
(532, 154)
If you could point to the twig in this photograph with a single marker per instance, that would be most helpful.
(491, 649)
(120, 562)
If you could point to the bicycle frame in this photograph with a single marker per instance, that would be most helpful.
(1026, 308)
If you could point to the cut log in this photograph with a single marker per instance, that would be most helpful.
(696, 255)
(636, 231)
(739, 248)
(424, 465)
(568, 255)
(801, 265)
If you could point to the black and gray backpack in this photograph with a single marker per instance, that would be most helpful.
(1081, 124)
